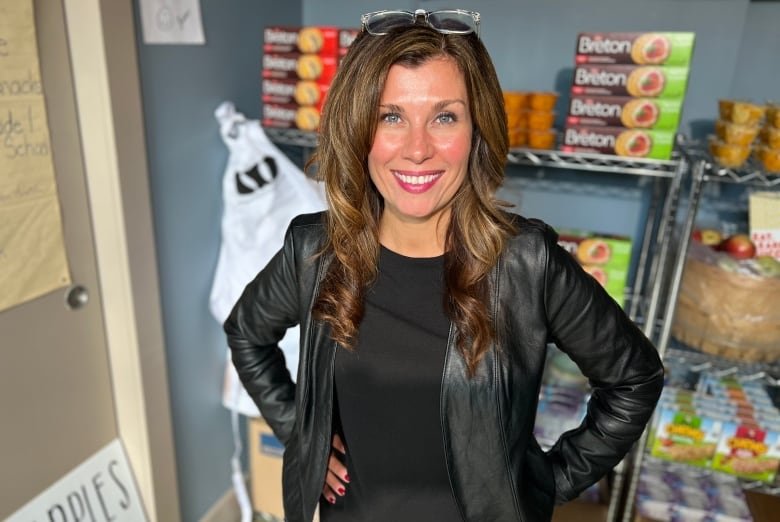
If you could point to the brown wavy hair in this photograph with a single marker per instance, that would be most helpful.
(478, 227)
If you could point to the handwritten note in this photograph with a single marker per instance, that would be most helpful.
(171, 22)
(32, 249)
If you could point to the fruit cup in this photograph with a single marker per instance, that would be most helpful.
(541, 139)
(743, 113)
(543, 101)
(728, 154)
(742, 135)
(770, 136)
(769, 158)
(540, 120)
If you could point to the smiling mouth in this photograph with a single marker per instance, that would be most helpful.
(418, 178)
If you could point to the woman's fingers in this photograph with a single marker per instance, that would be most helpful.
(337, 478)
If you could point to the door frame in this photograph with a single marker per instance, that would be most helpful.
(102, 41)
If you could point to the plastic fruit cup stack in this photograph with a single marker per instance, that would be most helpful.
(530, 118)
(739, 131)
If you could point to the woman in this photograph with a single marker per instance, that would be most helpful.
(426, 309)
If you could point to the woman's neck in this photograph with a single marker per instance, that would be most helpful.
(413, 239)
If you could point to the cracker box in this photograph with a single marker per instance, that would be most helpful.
(300, 92)
(649, 81)
(765, 223)
(605, 257)
(296, 66)
(624, 111)
(655, 48)
(619, 141)
(308, 40)
(265, 465)
(291, 116)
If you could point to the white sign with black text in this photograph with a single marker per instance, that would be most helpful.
(101, 489)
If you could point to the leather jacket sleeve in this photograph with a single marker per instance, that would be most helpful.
(623, 367)
(266, 309)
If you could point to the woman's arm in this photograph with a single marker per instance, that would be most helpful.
(261, 316)
(623, 367)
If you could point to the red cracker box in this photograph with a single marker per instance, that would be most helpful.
(309, 40)
(296, 66)
(654, 48)
(633, 143)
(290, 116)
(625, 111)
(650, 81)
(300, 92)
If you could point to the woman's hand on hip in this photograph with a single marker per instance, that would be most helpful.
(337, 479)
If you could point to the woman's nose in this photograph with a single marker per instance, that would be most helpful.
(418, 146)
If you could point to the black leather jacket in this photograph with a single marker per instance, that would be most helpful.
(538, 294)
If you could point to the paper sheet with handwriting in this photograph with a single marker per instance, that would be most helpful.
(32, 249)
(171, 22)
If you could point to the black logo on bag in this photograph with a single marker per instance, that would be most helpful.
(257, 177)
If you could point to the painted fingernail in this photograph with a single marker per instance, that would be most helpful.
(346, 477)
(332, 500)
(341, 491)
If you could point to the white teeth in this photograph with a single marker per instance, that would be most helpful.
(417, 180)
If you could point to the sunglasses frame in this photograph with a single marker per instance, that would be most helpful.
(422, 13)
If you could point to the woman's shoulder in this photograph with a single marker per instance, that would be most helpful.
(313, 220)
(530, 230)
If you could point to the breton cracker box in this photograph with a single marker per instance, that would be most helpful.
(624, 111)
(300, 92)
(310, 40)
(291, 116)
(605, 257)
(649, 81)
(655, 48)
(265, 469)
(619, 141)
(296, 66)
(765, 223)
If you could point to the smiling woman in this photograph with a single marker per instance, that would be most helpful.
(426, 308)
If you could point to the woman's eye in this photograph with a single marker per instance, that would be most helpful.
(446, 117)
(391, 117)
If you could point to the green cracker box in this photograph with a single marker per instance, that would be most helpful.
(656, 48)
(619, 141)
(647, 81)
(625, 111)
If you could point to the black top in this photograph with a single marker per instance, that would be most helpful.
(387, 395)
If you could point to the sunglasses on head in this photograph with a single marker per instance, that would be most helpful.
(446, 21)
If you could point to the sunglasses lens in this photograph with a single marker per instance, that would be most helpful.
(452, 22)
(384, 22)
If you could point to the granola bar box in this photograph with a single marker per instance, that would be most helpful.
(653, 48)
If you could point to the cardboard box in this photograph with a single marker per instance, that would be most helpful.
(296, 66)
(649, 81)
(625, 111)
(265, 465)
(305, 93)
(619, 141)
(635, 48)
(765, 223)
(605, 257)
(291, 116)
(322, 40)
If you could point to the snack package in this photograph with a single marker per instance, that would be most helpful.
(748, 451)
(650, 81)
(656, 48)
(605, 257)
(619, 141)
(624, 111)
(686, 437)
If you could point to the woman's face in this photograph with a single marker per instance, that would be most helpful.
(420, 153)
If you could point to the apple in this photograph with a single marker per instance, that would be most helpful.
(738, 246)
(707, 236)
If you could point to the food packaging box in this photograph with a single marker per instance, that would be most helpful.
(290, 116)
(296, 66)
(748, 451)
(686, 437)
(300, 92)
(265, 469)
(649, 81)
(655, 48)
(764, 210)
(605, 257)
(634, 143)
(310, 40)
(625, 111)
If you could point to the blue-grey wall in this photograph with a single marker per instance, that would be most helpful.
(181, 87)
(532, 43)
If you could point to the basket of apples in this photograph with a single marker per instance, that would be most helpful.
(729, 299)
